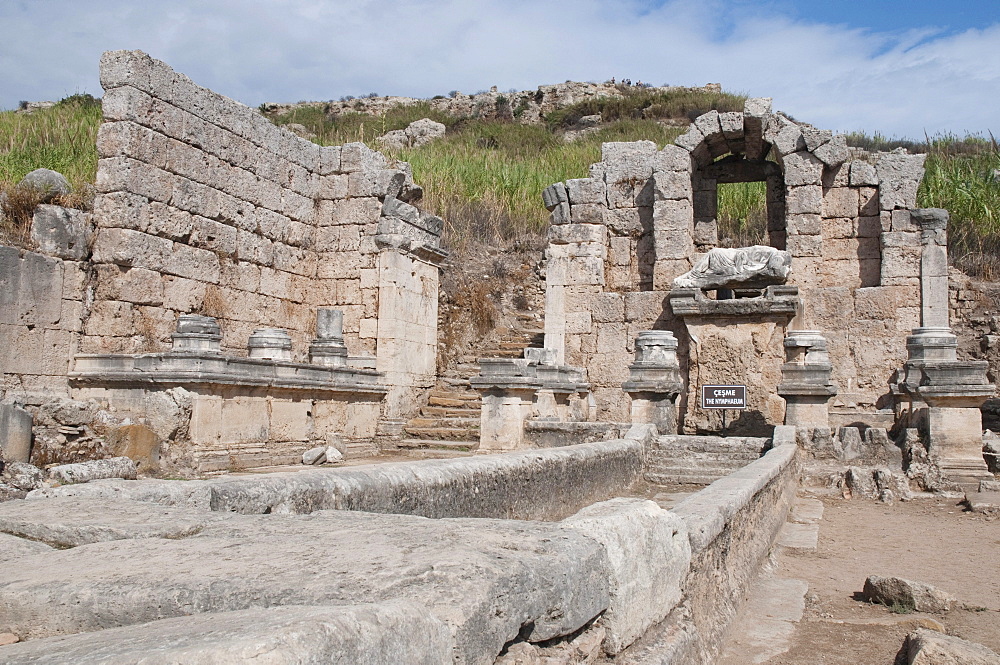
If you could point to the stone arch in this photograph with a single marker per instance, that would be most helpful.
(806, 162)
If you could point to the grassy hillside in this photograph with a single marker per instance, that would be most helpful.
(485, 177)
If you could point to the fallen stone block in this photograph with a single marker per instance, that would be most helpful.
(10, 493)
(649, 555)
(386, 633)
(928, 647)
(315, 455)
(84, 472)
(983, 501)
(895, 591)
(22, 476)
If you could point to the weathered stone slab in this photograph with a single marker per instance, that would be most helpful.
(12, 547)
(487, 580)
(481, 486)
(389, 633)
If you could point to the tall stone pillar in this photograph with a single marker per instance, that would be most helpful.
(805, 380)
(655, 381)
(944, 394)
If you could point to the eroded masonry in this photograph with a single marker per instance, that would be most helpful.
(243, 298)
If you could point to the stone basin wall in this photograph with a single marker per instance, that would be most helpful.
(171, 562)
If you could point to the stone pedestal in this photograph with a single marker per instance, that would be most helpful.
(270, 344)
(805, 380)
(197, 334)
(328, 348)
(655, 381)
(954, 392)
(516, 390)
(508, 391)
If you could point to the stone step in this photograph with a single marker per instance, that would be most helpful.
(441, 453)
(453, 445)
(443, 433)
(698, 469)
(681, 478)
(741, 456)
(468, 399)
(504, 353)
(450, 412)
(451, 422)
(689, 445)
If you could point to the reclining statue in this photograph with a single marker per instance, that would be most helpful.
(737, 267)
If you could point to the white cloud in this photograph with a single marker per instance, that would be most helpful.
(280, 50)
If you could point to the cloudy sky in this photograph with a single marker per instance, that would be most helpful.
(898, 68)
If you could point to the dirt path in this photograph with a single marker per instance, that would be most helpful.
(929, 540)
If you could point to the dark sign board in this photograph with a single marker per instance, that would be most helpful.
(723, 397)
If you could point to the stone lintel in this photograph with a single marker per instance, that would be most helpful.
(797, 390)
(652, 390)
(778, 300)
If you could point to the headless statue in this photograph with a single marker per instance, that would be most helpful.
(737, 267)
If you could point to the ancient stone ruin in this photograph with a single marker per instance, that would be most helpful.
(242, 298)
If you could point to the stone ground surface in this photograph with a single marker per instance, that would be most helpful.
(932, 540)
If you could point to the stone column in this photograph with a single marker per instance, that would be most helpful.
(655, 380)
(945, 395)
(270, 344)
(805, 380)
(15, 433)
(933, 223)
(508, 390)
(197, 334)
(328, 348)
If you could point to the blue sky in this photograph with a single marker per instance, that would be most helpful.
(898, 68)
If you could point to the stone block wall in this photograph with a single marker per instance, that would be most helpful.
(619, 237)
(206, 206)
(41, 307)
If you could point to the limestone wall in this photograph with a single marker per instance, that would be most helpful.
(619, 237)
(204, 206)
(732, 526)
(207, 206)
(41, 305)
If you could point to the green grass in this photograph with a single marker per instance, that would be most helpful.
(742, 214)
(486, 179)
(61, 138)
